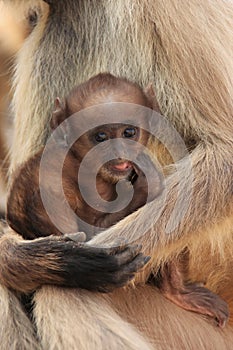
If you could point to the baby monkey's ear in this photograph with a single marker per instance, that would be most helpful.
(59, 114)
(151, 96)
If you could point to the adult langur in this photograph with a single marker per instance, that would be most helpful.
(185, 50)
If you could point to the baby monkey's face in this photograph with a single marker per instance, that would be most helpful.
(119, 166)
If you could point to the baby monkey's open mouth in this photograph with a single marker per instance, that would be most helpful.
(118, 169)
(121, 165)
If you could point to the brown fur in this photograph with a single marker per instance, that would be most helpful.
(186, 51)
(25, 211)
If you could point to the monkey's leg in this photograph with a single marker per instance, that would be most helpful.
(86, 321)
(82, 320)
(16, 330)
(191, 297)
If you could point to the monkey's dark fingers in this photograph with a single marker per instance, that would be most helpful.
(127, 254)
(101, 269)
(137, 264)
(122, 276)
(127, 260)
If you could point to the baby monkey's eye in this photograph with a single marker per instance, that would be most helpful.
(130, 132)
(101, 136)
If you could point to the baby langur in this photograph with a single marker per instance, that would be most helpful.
(26, 212)
(27, 215)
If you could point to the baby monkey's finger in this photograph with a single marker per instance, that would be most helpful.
(76, 237)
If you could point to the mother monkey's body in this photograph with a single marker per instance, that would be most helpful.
(183, 52)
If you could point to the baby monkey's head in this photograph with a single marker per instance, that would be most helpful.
(97, 96)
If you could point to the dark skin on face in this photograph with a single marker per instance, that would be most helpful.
(26, 213)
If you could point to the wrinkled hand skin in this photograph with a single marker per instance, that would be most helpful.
(27, 265)
(102, 269)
